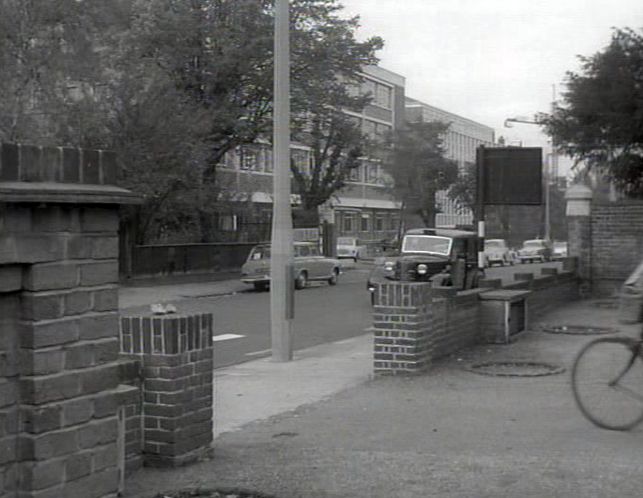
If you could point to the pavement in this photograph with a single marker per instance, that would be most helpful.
(322, 426)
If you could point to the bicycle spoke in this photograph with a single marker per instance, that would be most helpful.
(629, 391)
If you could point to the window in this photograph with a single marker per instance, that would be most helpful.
(267, 161)
(227, 222)
(365, 224)
(301, 160)
(250, 159)
(383, 96)
(370, 129)
(355, 174)
(229, 160)
(370, 88)
(314, 251)
(347, 222)
(382, 131)
(371, 173)
(380, 220)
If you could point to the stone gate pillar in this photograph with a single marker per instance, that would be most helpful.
(59, 264)
(579, 234)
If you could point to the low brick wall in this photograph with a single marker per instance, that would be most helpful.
(174, 358)
(415, 323)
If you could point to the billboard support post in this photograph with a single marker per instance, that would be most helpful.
(480, 204)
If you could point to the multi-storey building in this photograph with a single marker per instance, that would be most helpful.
(461, 141)
(364, 208)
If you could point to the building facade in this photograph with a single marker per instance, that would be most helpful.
(462, 139)
(364, 208)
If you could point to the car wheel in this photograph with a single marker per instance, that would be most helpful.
(260, 286)
(301, 280)
(333, 279)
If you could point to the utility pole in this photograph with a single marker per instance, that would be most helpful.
(281, 268)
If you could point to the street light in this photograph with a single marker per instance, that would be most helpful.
(281, 270)
(554, 161)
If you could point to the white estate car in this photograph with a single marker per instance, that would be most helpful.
(348, 247)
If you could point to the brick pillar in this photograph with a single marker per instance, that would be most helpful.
(59, 242)
(579, 233)
(176, 355)
(402, 323)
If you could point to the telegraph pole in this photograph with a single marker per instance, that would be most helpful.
(281, 270)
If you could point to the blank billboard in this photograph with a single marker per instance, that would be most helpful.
(512, 175)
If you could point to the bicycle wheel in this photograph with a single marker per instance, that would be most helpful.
(607, 381)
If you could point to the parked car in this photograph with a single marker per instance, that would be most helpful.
(559, 249)
(444, 257)
(496, 251)
(309, 265)
(349, 247)
(535, 250)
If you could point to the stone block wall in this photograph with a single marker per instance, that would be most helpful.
(176, 360)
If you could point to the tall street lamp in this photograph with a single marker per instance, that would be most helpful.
(281, 268)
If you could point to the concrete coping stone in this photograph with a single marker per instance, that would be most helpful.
(505, 295)
(52, 192)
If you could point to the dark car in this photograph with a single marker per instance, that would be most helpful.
(442, 256)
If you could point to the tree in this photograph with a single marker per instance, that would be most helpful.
(326, 81)
(51, 67)
(600, 121)
(419, 168)
(464, 188)
(172, 85)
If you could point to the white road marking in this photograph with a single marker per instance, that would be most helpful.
(256, 353)
(226, 337)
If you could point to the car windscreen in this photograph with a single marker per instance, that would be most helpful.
(346, 241)
(426, 243)
(534, 243)
(495, 244)
(260, 252)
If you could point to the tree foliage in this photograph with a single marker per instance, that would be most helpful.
(327, 64)
(172, 85)
(419, 167)
(600, 120)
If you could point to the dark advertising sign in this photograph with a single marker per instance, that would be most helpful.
(511, 175)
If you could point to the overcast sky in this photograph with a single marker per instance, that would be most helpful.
(488, 60)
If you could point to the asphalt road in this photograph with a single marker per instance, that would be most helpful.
(323, 314)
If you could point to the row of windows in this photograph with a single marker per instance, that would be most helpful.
(381, 95)
(462, 147)
(353, 222)
(258, 158)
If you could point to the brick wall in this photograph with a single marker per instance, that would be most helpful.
(175, 357)
(8, 391)
(616, 243)
(59, 273)
(401, 317)
(415, 324)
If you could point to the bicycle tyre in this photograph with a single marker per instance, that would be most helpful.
(608, 404)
